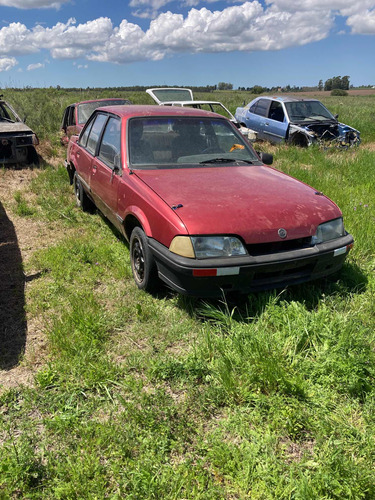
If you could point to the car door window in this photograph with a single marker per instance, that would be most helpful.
(276, 111)
(72, 118)
(109, 150)
(85, 134)
(95, 132)
(260, 107)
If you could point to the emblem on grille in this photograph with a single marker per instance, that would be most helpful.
(282, 233)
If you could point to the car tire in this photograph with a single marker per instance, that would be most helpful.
(82, 200)
(142, 262)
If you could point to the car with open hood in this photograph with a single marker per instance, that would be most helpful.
(300, 122)
(201, 210)
(17, 140)
(173, 96)
(76, 115)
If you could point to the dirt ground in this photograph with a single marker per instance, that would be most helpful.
(22, 341)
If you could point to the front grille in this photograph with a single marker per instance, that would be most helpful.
(24, 140)
(278, 246)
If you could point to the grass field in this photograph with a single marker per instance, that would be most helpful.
(128, 395)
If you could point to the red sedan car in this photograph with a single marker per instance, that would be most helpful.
(201, 210)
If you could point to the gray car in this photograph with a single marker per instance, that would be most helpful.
(300, 122)
(17, 140)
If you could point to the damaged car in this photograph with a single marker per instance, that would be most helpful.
(17, 140)
(202, 211)
(170, 96)
(77, 114)
(300, 122)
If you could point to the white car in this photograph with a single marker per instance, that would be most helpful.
(184, 97)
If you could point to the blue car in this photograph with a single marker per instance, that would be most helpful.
(300, 122)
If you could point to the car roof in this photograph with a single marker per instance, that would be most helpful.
(286, 98)
(138, 110)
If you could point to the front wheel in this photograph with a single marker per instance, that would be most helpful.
(142, 262)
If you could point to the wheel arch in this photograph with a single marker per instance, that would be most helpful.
(136, 218)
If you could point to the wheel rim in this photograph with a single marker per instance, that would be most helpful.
(77, 191)
(138, 260)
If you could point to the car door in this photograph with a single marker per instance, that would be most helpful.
(275, 124)
(88, 142)
(256, 117)
(64, 125)
(106, 169)
(71, 122)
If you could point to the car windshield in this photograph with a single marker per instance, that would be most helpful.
(85, 109)
(304, 111)
(185, 141)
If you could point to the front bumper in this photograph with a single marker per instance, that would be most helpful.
(247, 273)
(15, 148)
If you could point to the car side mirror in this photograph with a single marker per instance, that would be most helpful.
(337, 117)
(266, 158)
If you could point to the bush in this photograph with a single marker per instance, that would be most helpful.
(338, 92)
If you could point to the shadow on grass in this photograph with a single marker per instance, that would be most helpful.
(13, 325)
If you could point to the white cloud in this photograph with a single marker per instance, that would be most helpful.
(31, 67)
(7, 63)
(33, 4)
(245, 27)
(363, 24)
(147, 9)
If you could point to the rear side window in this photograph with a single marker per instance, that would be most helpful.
(260, 107)
(111, 142)
(95, 132)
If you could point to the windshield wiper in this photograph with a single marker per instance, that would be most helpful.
(225, 160)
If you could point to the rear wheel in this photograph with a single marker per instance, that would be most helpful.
(82, 200)
(142, 262)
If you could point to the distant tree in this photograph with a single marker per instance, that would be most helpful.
(320, 85)
(337, 82)
(225, 86)
(257, 89)
(345, 82)
(328, 84)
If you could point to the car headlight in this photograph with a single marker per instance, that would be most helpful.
(217, 246)
(203, 247)
(329, 231)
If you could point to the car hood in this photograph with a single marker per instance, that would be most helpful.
(13, 127)
(251, 201)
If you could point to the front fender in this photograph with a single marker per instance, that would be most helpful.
(135, 211)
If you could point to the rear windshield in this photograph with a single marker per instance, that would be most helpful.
(172, 142)
(85, 109)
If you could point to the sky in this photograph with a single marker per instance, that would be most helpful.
(110, 43)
